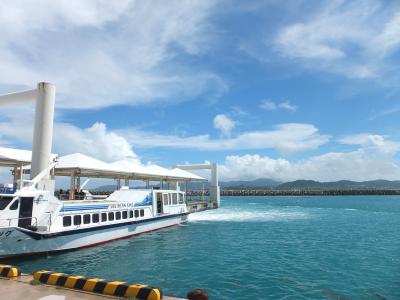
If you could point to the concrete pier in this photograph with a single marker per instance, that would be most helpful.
(21, 288)
(196, 206)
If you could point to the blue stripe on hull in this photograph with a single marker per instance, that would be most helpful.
(83, 207)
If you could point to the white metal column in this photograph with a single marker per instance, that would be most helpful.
(214, 188)
(43, 128)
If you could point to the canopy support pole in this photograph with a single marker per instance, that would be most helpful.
(78, 183)
(21, 171)
(72, 186)
(202, 192)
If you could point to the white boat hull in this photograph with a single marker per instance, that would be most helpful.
(15, 241)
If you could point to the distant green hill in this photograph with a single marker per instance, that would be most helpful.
(257, 183)
(265, 183)
(341, 184)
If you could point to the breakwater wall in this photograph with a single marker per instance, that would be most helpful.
(305, 192)
(272, 192)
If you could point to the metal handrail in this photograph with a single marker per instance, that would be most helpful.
(30, 184)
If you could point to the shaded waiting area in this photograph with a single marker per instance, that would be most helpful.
(78, 166)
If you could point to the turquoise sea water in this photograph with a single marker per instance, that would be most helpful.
(259, 248)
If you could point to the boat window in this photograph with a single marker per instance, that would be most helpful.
(181, 198)
(4, 201)
(142, 213)
(170, 199)
(174, 198)
(110, 216)
(86, 219)
(131, 214)
(125, 214)
(136, 213)
(77, 220)
(118, 215)
(14, 205)
(165, 199)
(104, 217)
(67, 221)
(95, 218)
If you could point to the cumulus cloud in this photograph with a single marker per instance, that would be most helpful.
(375, 158)
(95, 141)
(354, 39)
(285, 138)
(122, 52)
(270, 105)
(371, 141)
(356, 165)
(224, 124)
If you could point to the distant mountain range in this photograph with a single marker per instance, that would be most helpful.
(261, 182)
(341, 184)
(265, 183)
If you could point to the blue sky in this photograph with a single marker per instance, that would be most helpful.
(276, 89)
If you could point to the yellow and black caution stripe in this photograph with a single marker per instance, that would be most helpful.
(97, 285)
(9, 271)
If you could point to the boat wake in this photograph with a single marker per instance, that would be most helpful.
(239, 215)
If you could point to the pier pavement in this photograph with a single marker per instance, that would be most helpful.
(20, 288)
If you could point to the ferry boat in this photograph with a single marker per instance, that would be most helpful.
(35, 221)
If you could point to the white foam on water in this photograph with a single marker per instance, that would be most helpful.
(238, 215)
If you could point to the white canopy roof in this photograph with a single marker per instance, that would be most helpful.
(11, 157)
(135, 170)
(155, 172)
(185, 174)
(86, 166)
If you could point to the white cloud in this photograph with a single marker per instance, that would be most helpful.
(102, 53)
(270, 105)
(383, 113)
(388, 40)
(357, 165)
(375, 158)
(353, 39)
(224, 124)
(285, 138)
(286, 105)
(371, 141)
(95, 141)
